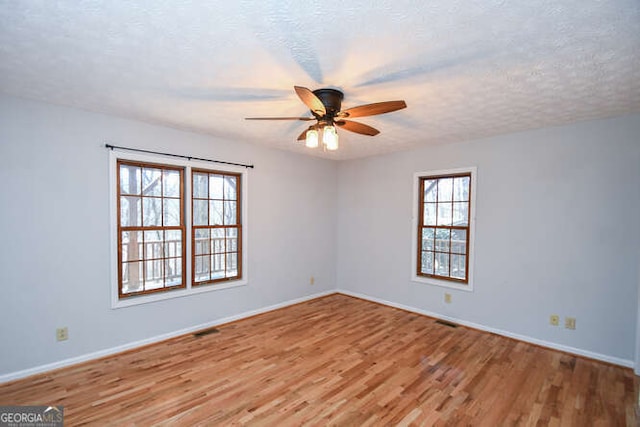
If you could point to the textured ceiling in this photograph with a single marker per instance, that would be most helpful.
(467, 69)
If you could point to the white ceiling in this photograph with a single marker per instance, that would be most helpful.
(467, 69)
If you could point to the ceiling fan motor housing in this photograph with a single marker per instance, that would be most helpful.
(332, 101)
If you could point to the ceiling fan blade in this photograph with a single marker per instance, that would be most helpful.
(357, 127)
(304, 119)
(311, 100)
(373, 109)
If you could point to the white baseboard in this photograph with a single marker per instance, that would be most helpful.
(109, 351)
(591, 355)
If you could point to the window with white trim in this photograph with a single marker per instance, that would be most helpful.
(178, 228)
(444, 227)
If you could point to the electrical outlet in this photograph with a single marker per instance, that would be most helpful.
(554, 320)
(312, 280)
(447, 298)
(62, 334)
(570, 322)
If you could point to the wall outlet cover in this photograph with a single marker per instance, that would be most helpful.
(570, 322)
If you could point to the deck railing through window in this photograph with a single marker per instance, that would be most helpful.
(160, 263)
(456, 266)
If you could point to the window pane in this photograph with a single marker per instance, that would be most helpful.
(430, 190)
(130, 181)
(444, 213)
(232, 240)
(171, 183)
(154, 274)
(427, 262)
(153, 244)
(200, 212)
(173, 271)
(202, 241)
(215, 186)
(429, 214)
(151, 183)
(171, 212)
(461, 188)
(200, 185)
(130, 212)
(218, 266)
(428, 236)
(202, 233)
(459, 241)
(217, 240)
(131, 245)
(442, 264)
(152, 211)
(458, 266)
(173, 235)
(442, 239)
(124, 245)
(229, 213)
(460, 213)
(230, 183)
(215, 209)
(173, 243)
(202, 268)
(232, 265)
(132, 277)
(445, 189)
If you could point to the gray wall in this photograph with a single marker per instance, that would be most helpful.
(54, 223)
(557, 232)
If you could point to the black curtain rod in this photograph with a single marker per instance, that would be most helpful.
(176, 155)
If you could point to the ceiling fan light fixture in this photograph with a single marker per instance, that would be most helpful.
(311, 139)
(330, 138)
(325, 105)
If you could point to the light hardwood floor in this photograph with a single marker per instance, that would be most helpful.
(342, 361)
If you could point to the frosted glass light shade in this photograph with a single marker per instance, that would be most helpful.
(330, 138)
(311, 140)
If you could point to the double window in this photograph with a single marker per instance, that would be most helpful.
(161, 207)
(444, 227)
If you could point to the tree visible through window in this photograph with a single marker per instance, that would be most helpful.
(150, 228)
(444, 227)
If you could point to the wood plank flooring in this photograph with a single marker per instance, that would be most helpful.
(339, 361)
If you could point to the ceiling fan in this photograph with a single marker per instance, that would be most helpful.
(325, 105)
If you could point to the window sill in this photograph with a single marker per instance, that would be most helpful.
(178, 293)
(443, 283)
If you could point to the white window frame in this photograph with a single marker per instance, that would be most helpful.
(114, 156)
(472, 227)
